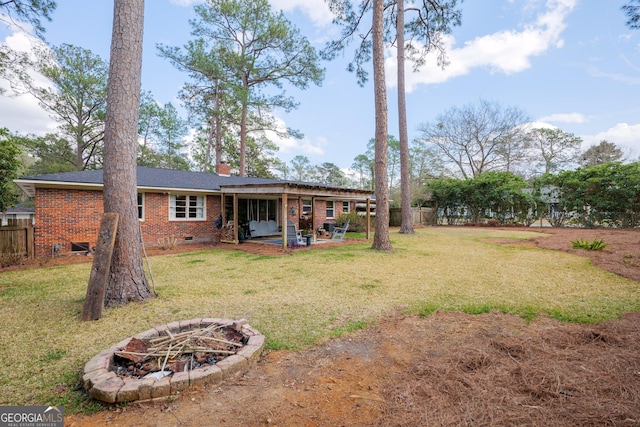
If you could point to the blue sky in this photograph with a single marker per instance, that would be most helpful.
(567, 63)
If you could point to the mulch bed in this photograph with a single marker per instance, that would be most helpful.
(545, 374)
(621, 256)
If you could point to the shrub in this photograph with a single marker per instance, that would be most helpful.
(596, 245)
(356, 222)
(167, 242)
(292, 244)
(11, 259)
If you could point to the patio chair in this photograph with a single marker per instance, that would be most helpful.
(293, 234)
(338, 232)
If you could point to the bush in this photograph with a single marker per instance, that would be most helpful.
(292, 244)
(357, 222)
(596, 245)
(11, 258)
(305, 223)
(167, 243)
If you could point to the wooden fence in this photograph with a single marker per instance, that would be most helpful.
(17, 238)
(424, 216)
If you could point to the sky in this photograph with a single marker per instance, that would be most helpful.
(573, 64)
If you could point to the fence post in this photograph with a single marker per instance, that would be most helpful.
(30, 244)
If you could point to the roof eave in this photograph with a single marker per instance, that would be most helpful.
(293, 189)
(29, 187)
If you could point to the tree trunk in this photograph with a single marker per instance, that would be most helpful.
(243, 126)
(207, 151)
(381, 237)
(218, 144)
(405, 176)
(127, 280)
(79, 152)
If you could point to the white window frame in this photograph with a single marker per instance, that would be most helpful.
(194, 207)
(141, 206)
(346, 206)
(332, 209)
(307, 206)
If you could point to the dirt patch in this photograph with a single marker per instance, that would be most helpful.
(445, 369)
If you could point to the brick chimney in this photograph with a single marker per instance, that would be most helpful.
(223, 169)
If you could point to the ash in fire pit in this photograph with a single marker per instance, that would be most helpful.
(162, 356)
(170, 358)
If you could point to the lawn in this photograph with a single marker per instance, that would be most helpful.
(296, 300)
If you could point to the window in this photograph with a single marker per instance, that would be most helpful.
(141, 206)
(307, 207)
(330, 212)
(345, 207)
(80, 247)
(186, 207)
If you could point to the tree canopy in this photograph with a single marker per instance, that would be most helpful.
(606, 194)
(14, 13)
(30, 11)
(477, 138)
(632, 10)
(556, 148)
(76, 98)
(428, 21)
(244, 48)
(497, 195)
(605, 152)
(9, 166)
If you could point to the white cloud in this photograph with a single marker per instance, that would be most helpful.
(15, 26)
(304, 146)
(618, 77)
(537, 125)
(185, 2)
(622, 134)
(509, 51)
(294, 146)
(316, 10)
(565, 118)
(22, 113)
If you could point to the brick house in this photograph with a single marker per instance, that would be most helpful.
(179, 204)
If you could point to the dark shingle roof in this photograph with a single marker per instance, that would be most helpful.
(155, 178)
(175, 180)
(19, 209)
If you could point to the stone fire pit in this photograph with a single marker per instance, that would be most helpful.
(169, 358)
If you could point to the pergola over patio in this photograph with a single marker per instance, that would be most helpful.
(285, 191)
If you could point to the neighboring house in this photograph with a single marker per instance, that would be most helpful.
(17, 212)
(178, 204)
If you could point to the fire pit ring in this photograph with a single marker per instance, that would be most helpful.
(101, 376)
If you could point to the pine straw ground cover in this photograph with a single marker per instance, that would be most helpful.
(311, 296)
(543, 374)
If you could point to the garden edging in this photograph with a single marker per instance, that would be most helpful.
(103, 384)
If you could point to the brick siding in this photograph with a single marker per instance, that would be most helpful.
(319, 211)
(64, 216)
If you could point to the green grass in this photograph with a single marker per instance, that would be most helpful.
(296, 300)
